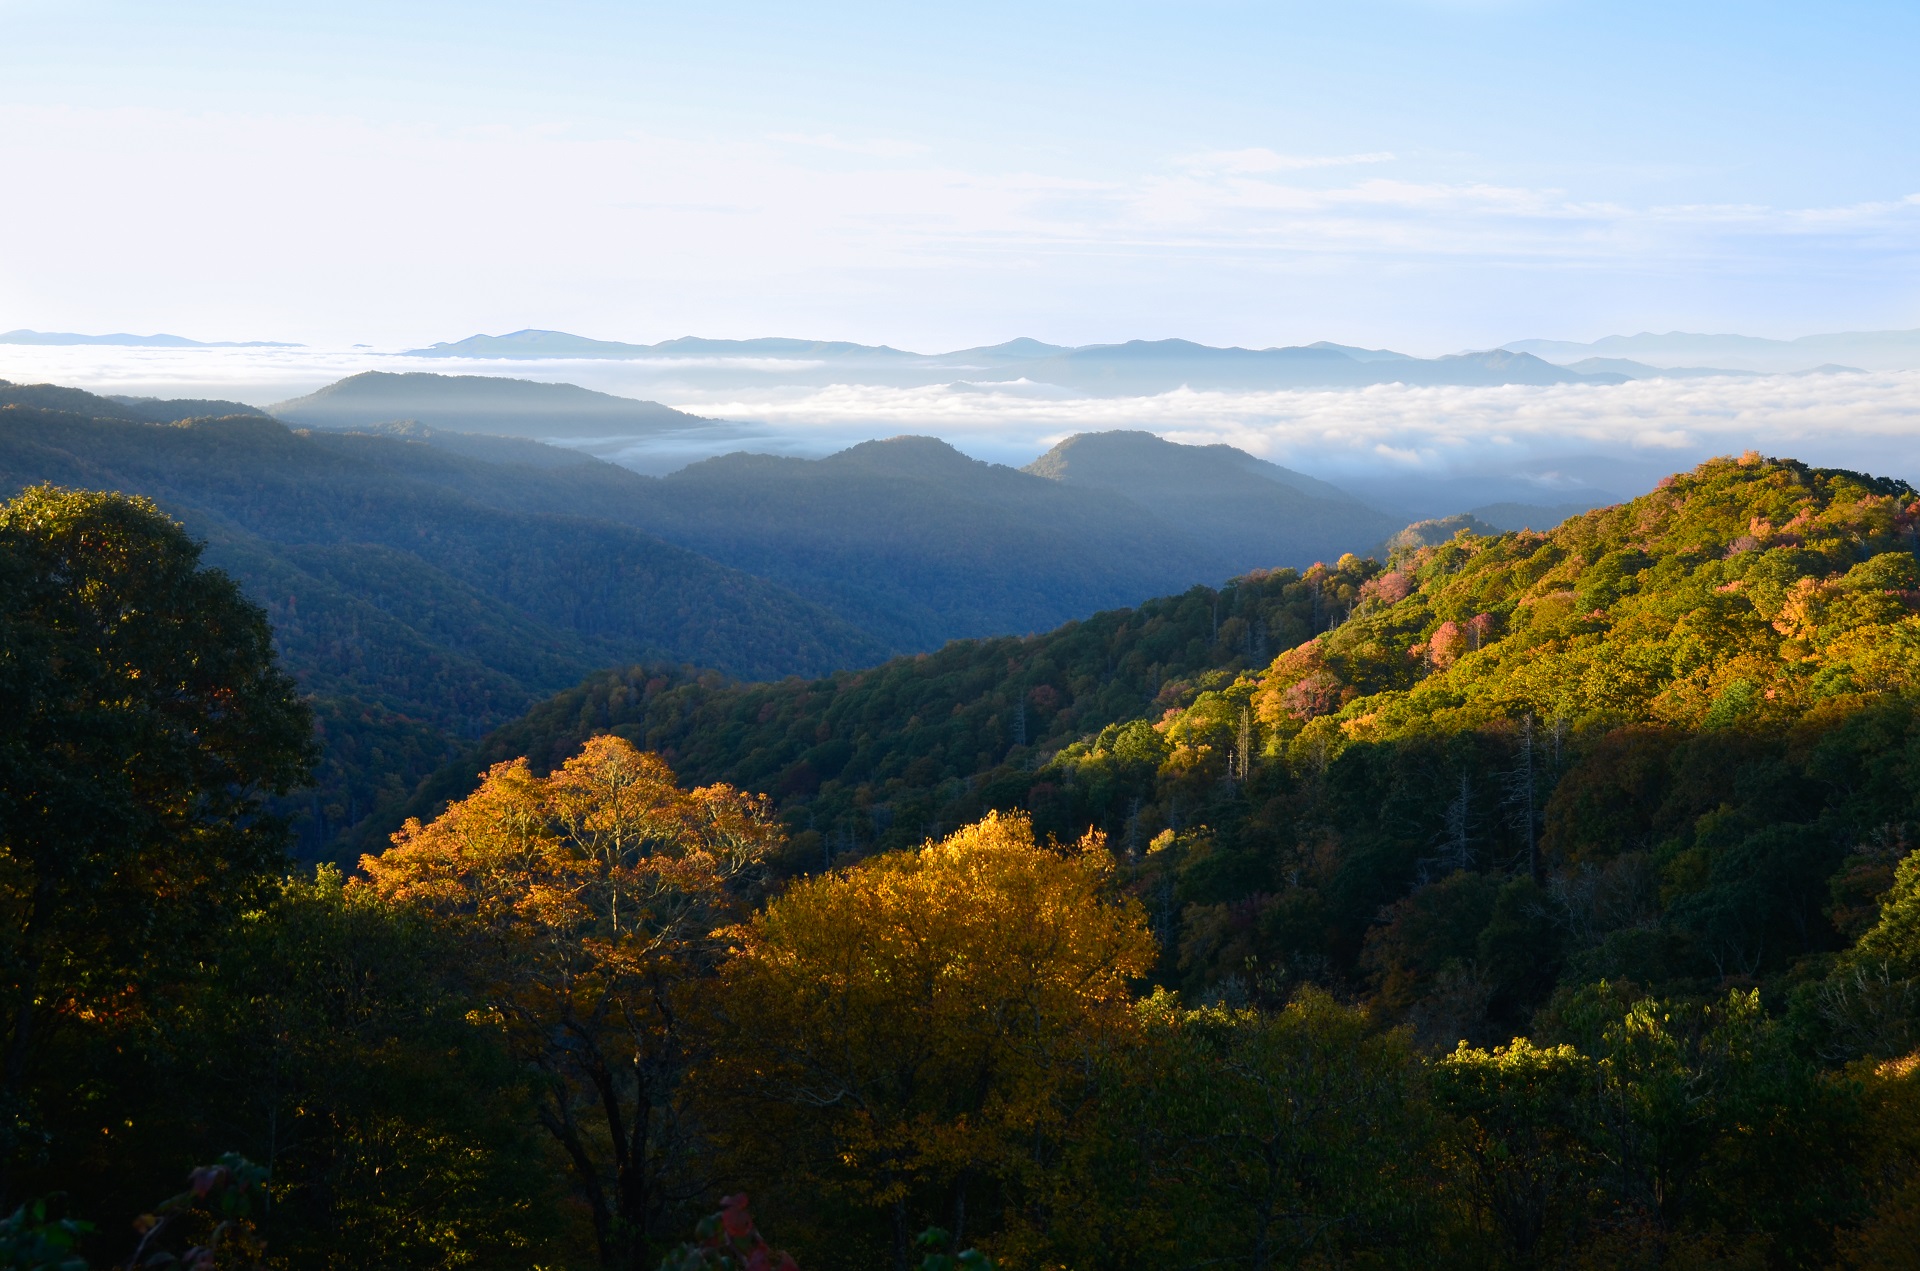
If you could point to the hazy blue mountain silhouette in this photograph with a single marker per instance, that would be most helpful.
(482, 404)
(1253, 512)
(1874, 350)
(24, 336)
(560, 344)
(1134, 367)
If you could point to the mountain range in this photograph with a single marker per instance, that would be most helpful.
(24, 336)
(1869, 350)
(1144, 365)
(1132, 368)
(1158, 366)
(427, 584)
(459, 411)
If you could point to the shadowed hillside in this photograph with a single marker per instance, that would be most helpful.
(415, 613)
(1250, 512)
(929, 544)
(918, 544)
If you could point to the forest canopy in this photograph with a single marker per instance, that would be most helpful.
(1526, 900)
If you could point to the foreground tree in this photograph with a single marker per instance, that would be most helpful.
(1518, 1147)
(331, 1043)
(910, 1038)
(587, 902)
(1284, 1138)
(145, 720)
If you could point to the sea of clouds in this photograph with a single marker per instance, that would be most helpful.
(1869, 421)
(1581, 433)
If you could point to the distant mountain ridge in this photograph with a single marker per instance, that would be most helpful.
(24, 336)
(1159, 366)
(544, 344)
(1133, 367)
(921, 544)
(149, 410)
(1871, 350)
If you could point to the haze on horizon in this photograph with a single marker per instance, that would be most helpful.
(1428, 175)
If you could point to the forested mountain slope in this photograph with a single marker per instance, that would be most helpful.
(907, 538)
(1602, 840)
(928, 545)
(417, 614)
(884, 757)
(1674, 742)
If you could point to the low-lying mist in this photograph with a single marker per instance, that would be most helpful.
(1550, 443)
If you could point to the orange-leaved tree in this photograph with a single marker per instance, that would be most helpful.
(589, 900)
(920, 1029)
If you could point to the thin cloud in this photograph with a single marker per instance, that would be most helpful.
(875, 147)
(799, 232)
(1260, 159)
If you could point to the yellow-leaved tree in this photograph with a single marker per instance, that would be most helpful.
(917, 1032)
(588, 901)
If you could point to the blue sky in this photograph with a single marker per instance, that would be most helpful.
(1425, 175)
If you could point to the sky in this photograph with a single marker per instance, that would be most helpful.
(1428, 175)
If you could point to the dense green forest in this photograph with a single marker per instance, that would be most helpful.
(885, 757)
(1525, 900)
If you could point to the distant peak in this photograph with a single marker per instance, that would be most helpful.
(907, 455)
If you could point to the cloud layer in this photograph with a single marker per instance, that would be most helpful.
(1867, 421)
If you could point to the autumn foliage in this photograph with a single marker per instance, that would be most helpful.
(588, 902)
(909, 1036)
(1548, 901)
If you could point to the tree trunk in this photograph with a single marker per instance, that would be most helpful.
(902, 1240)
(13, 1070)
(560, 1125)
(633, 1173)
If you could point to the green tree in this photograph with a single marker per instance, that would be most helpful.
(331, 1042)
(1519, 1142)
(146, 720)
(1709, 1131)
(1286, 1138)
